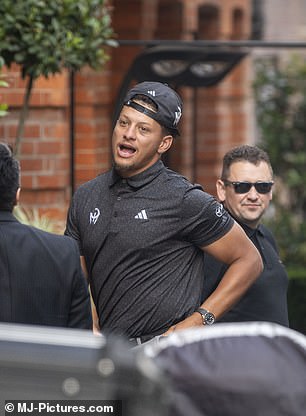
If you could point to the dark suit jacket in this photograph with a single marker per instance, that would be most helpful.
(41, 280)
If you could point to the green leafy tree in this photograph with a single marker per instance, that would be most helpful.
(43, 37)
(280, 92)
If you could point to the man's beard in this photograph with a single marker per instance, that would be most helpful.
(123, 167)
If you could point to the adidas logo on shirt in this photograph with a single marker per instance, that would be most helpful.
(142, 215)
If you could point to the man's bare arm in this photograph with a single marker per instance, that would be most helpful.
(245, 265)
(95, 318)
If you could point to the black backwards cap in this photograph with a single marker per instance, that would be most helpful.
(169, 104)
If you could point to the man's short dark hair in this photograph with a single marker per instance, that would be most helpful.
(9, 178)
(244, 153)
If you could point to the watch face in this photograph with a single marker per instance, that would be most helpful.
(209, 318)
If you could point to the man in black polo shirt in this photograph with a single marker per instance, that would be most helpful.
(142, 230)
(245, 189)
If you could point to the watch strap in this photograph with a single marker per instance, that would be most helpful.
(207, 316)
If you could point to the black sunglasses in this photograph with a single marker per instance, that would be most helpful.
(244, 187)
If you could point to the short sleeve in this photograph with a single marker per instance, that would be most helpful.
(204, 219)
(71, 224)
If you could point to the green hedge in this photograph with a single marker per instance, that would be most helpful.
(297, 299)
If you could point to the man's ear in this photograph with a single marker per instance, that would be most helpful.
(165, 144)
(17, 196)
(220, 190)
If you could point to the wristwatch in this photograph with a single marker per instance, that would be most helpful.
(207, 317)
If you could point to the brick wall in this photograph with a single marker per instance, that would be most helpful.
(44, 151)
(214, 119)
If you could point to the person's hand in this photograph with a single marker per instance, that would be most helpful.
(194, 320)
(96, 331)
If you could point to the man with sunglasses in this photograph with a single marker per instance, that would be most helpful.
(245, 189)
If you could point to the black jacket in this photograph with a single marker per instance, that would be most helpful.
(41, 281)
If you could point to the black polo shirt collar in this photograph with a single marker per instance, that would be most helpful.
(140, 180)
(257, 236)
(251, 232)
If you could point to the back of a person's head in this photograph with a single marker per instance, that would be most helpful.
(244, 153)
(9, 178)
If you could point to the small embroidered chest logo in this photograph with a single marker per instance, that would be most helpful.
(142, 215)
(93, 216)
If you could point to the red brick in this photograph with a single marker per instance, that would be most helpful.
(26, 148)
(57, 164)
(13, 98)
(50, 147)
(82, 159)
(27, 181)
(85, 175)
(86, 128)
(31, 165)
(57, 81)
(56, 130)
(52, 181)
(30, 131)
